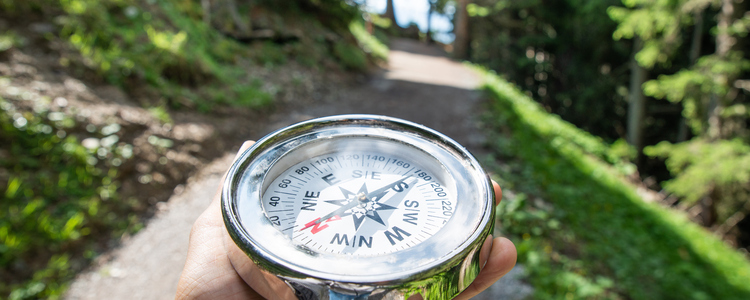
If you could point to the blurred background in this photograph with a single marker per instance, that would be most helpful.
(618, 129)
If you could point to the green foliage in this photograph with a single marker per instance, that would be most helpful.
(592, 236)
(369, 43)
(54, 193)
(701, 166)
(251, 96)
(155, 41)
(556, 275)
(694, 87)
(711, 165)
(657, 23)
(351, 56)
(59, 196)
(166, 44)
(554, 50)
(270, 54)
(564, 134)
(8, 40)
(161, 114)
(379, 21)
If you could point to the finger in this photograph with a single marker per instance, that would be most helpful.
(498, 192)
(501, 260)
(208, 273)
(246, 145)
(266, 284)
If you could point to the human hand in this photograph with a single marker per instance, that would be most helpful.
(217, 269)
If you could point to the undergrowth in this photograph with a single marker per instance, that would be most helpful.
(368, 42)
(60, 195)
(56, 195)
(582, 231)
(165, 44)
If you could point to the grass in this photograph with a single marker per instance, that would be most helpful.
(57, 197)
(581, 229)
(159, 43)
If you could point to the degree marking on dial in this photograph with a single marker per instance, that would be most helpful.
(316, 168)
(280, 210)
(297, 178)
(426, 183)
(407, 172)
(285, 193)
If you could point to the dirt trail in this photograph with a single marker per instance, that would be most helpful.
(420, 85)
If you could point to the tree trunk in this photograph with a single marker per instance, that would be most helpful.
(428, 37)
(695, 45)
(724, 43)
(636, 101)
(206, 4)
(695, 52)
(390, 13)
(461, 31)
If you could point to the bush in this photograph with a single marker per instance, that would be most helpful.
(351, 57)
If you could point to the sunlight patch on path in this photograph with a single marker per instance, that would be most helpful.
(421, 69)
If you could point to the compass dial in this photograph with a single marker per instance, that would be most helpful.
(361, 202)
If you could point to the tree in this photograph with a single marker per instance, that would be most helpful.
(432, 5)
(461, 30)
(562, 53)
(655, 28)
(390, 13)
(636, 101)
(436, 6)
(712, 170)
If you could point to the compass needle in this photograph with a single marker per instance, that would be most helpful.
(396, 201)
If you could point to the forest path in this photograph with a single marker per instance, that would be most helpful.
(420, 84)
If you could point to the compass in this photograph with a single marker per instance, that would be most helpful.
(361, 207)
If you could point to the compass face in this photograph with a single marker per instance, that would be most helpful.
(358, 198)
(378, 198)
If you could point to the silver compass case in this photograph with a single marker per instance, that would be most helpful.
(438, 263)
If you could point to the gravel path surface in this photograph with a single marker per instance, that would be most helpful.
(420, 85)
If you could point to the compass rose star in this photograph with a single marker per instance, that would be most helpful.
(368, 206)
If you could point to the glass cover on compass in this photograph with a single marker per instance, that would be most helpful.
(358, 196)
(367, 199)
